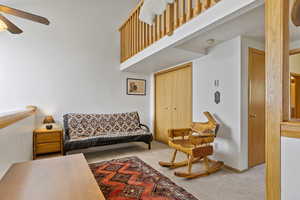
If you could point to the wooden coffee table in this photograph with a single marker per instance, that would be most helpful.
(63, 178)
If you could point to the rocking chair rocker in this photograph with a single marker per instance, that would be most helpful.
(195, 142)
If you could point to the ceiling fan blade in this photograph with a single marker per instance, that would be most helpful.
(296, 13)
(23, 14)
(10, 26)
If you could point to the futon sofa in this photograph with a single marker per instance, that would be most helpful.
(91, 130)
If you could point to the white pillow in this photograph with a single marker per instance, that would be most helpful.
(151, 8)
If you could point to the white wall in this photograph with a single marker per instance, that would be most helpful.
(290, 150)
(222, 63)
(228, 63)
(72, 65)
(290, 168)
(16, 143)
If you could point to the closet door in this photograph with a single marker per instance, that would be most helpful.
(173, 101)
(163, 104)
(182, 98)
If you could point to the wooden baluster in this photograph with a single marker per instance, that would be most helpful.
(182, 19)
(129, 37)
(132, 37)
(151, 31)
(161, 18)
(122, 44)
(127, 40)
(150, 34)
(154, 31)
(176, 14)
(189, 11)
(170, 19)
(214, 2)
(147, 35)
(142, 35)
(139, 33)
(158, 25)
(206, 5)
(163, 24)
(149, 28)
(197, 8)
(134, 33)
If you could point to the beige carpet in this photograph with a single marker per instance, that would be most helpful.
(224, 185)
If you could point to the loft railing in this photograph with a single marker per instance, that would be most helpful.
(7, 119)
(136, 35)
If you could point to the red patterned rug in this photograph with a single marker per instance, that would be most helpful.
(132, 179)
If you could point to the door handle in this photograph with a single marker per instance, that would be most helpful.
(252, 115)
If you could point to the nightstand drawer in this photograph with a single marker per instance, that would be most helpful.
(48, 137)
(48, 148)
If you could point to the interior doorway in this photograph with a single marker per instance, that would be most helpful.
(295, 84)
(256, 108)
(295, 96)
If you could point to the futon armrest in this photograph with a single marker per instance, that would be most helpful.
(145, 127)
(66, 135)
(179, 132)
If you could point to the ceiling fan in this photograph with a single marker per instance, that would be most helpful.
(296, 13)
(6, 24)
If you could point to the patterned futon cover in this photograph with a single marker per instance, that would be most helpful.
(87, 130)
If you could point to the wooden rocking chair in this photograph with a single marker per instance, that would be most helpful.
(195, 142)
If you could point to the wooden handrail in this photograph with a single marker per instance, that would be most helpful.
(11, 118)
(132, 12)
(136, 35)
(290, 129)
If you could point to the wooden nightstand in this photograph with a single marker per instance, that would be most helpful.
(47, 142)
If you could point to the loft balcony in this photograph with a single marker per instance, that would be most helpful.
(170, 40)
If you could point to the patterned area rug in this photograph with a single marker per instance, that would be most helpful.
(132, 179)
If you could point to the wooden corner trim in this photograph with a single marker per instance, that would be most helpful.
(190, 64)
(234, 169)
(257, 51)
